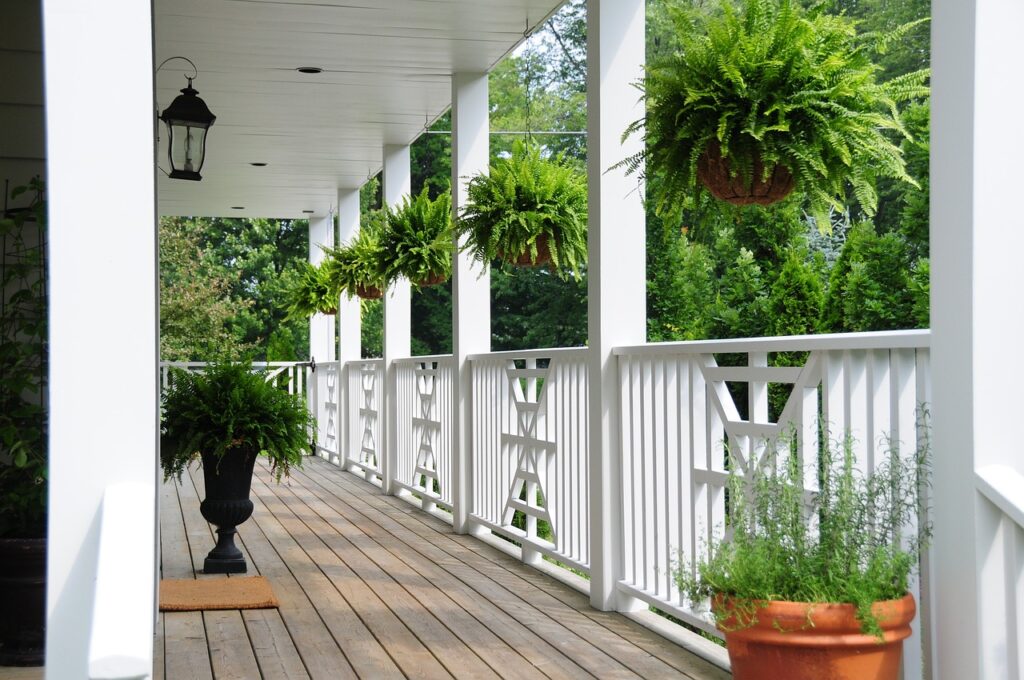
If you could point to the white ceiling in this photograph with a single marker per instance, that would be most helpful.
(387, 71)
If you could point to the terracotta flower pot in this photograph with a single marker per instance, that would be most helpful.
(524, 259)
(369, 292)
(432, 280)
(328, 312)
(714, 173)
(801, 641)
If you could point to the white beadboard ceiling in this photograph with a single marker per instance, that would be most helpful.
(387, 71)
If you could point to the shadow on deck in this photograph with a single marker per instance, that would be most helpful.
(371, 587)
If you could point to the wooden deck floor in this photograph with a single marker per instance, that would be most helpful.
(371, 587)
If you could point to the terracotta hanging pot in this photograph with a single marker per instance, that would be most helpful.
(432, 280)
(524, 259)
(369, 292)
(714, 173)
(802, 641)
(328, 312)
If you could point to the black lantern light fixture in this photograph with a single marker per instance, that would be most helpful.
(187, 118)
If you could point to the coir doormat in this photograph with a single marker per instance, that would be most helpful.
(237, 592)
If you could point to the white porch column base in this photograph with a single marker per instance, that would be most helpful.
(471, 283)
(397, 315)
(617, 292)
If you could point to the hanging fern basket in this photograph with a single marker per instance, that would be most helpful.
(432, 280)
(526, 259)
(369, 292)
(714, 172)
(329, 312)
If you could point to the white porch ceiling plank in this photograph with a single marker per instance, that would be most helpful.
(387, 72)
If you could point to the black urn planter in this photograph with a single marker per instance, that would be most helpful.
(22, 601)
(227, 505)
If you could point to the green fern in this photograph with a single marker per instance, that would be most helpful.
(418, 242)
(360, 264)
(523, 198)
(229, 408)
(774, 83)
(311, 294)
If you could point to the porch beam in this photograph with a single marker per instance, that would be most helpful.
(397, 314)
(616, 268)
(471, 282)
(103, 293)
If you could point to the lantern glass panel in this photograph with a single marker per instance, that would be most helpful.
(187, 148)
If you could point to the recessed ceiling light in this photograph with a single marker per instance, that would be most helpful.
(309, 212)
(309, 69)
(238, 207)
(258, 165)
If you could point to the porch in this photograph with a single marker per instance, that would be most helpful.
(370, 587)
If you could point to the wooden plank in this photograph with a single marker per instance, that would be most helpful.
(272, 643)
(364, 653)
(641, 649)
(459, 659)
(158, 649)
(484, 616)
(175, 557)
(645, 651)
(186, 654)
(574, 645)
(231, 655)
(626, 630)
(402, 645)
(317, 648)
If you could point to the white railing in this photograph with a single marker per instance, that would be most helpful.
(679, 417)
(529, 451)
(326, 394)
(424, 446)
(291, 375)
(529, 467)
(365, 417)
(1001, 570)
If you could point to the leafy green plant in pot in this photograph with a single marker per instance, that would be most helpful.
(23, 411)
(358, 268)
(312, 293)
(228, 415)
(808, 589)
(758, 102)
(418, 242)
(529, 211)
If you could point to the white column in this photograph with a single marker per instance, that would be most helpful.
(616, 271)
(471, 283)
(977, 235)
(102, 295)
(397, 312)
(321, 329)
(349, 329)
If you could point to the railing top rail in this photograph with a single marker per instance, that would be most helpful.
(420, 359)
(258, 364)
(1004, 487)
(914, 339)
(364, 362)
(563, 352)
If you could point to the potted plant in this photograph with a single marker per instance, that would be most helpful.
(815, 585)
(23, 410)
(358, 268)
(529, 211)
(227, 415)
(312, 293)
(418, 242)
(757, 102)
